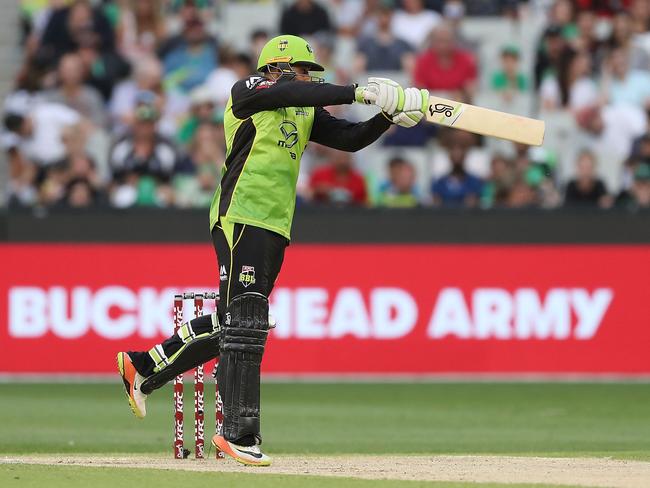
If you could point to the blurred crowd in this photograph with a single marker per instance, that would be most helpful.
(120, 103)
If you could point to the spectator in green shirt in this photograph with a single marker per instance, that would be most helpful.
(202, 110)
(509, 79)
(399, 191)
(496, 190)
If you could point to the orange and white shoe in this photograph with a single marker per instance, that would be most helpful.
(249, 455)
(132, 381)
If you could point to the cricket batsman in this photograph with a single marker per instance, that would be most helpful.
(269, 120)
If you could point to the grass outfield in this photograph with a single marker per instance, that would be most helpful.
(566, 419)
(323, 420)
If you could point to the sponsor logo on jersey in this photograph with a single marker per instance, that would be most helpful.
(247, 276)
(258, 82)
(252, 81)
(301, 111)
(289, 134)
(223, 274)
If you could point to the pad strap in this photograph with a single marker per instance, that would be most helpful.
(198, 351)
(159, 357)
(186, 333)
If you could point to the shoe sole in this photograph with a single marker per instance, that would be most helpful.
(226, 449)
(120, 367)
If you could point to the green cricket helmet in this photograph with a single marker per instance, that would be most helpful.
(288, 50)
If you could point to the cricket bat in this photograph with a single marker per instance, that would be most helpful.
(484, 121)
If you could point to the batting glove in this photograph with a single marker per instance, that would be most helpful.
(407, 119)
(363, 94)
(387, 94)
(416, 103)
(390, 95)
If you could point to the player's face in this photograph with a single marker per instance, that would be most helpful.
(302, 73)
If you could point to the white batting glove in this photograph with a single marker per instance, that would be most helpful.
(387, 94)
(390, 95)
(365, 95)
(416, 103)
(408, 119)
(415, 99)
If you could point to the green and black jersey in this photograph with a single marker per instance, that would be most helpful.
(267, 127)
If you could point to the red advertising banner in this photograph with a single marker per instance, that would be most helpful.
(343, 309)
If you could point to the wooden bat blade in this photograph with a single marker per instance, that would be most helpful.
(485, 121)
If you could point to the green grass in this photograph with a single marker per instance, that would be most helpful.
(583, 419)
(32, 476)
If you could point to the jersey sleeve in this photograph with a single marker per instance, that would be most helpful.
(345, 135)
(257, 94)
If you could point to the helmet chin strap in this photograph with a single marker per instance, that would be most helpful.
(284, 71)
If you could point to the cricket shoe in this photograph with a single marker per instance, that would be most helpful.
(249, 455)
(132, 381)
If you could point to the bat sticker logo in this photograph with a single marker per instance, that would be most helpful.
(441, 108)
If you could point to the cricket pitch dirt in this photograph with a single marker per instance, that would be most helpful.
(588, 472)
